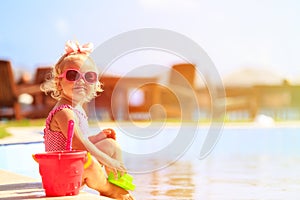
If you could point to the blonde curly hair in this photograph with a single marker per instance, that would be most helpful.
(51, 85)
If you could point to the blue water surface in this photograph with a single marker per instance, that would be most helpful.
(248, 162)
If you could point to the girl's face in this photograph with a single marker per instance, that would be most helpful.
(78, 79)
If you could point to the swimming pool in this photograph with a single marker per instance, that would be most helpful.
(247, 163)
(17, 158)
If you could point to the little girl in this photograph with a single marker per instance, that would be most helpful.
(74, 82)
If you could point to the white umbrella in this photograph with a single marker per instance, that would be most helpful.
(253, 76)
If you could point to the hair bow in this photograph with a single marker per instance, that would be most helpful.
(75, 47)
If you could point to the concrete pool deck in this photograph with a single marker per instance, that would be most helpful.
(15, 186)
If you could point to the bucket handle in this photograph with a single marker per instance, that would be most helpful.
(34, 158)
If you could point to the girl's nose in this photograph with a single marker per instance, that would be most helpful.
(81, 80)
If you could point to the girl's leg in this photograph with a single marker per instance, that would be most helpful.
(111, 148)
(94, 178)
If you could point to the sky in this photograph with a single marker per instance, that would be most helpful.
(235, 34)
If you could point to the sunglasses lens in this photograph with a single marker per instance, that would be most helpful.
(72, 75)
(90, 77)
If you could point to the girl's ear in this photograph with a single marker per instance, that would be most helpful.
(58, 85)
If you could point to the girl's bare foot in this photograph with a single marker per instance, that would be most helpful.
(118, 193)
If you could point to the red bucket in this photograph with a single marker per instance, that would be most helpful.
(61, 171)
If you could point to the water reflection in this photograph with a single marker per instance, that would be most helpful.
(223, 178)
(173, 182)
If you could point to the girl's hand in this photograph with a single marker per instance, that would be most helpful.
(117, 167)
(109, 133)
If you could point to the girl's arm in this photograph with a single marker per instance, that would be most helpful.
(105, 133)
(62, 117)
(99, 155)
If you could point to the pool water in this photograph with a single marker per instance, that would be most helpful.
(18, 158)
(247, 163)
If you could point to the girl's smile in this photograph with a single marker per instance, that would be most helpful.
(80, 89)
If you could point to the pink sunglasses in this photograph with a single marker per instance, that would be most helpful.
(75, 75)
